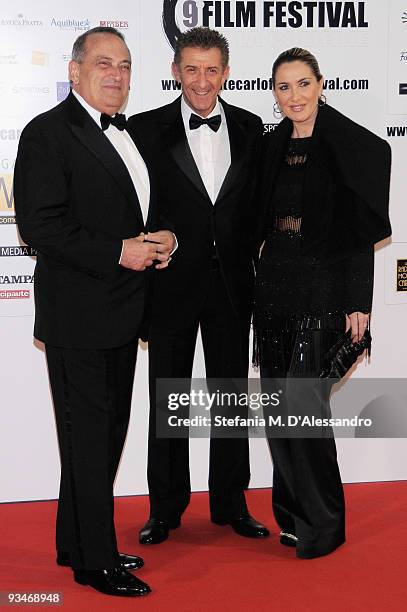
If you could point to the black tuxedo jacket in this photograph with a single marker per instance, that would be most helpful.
(179, 291)
(75, 202)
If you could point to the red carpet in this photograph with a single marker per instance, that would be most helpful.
(208, 568)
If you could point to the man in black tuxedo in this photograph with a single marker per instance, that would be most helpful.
(205, 153)
(84, 201)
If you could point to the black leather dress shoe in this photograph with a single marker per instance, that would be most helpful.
(288, 539)
(117, 581)
(156, 531)
(247, 526)
(127, 562)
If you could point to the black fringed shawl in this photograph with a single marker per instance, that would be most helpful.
(346, 185)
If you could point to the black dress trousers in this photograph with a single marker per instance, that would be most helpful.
(225, 341)
(92, 392)
(308, 499)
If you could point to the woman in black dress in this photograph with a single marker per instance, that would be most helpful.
(326, 183)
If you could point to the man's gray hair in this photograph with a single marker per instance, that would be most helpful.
(203, 38)
(79, 46)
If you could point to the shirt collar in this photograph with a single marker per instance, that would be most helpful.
(95, 114)
(186, 112)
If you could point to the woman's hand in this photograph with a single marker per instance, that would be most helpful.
(357, 323)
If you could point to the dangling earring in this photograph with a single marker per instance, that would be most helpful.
(322, 100)
(276, 111)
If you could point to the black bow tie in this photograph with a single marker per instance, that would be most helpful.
(118, 121)
(195, 122)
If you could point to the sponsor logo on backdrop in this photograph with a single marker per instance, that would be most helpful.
(11, 58)
(10, 133)
(401, 275)
(20, 22)
(396, 130)
(30, 90)
(6, 193)
(39, 58)
(269, 127)
(63, 89)
(71, 24)
(179, 15)
(257, 84)
(7, 220)
(66, 57)
(397, 60)
(261, 84)
(6, 198)
(7, 164)
(119, 24)
(16, 279)
(341, 84)
(170, 85)
(19, 294)
(17, 251)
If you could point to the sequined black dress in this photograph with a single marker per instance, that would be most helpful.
(298, 293)
(300, 307)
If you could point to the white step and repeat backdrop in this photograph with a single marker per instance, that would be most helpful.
(362, 48)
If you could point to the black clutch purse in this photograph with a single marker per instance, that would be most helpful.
(342, 355)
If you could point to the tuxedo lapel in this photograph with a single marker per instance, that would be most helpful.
(181, 152)
(88, 133)
(237, 140)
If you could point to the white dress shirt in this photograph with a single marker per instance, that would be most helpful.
(130, 155)
(210, 150)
